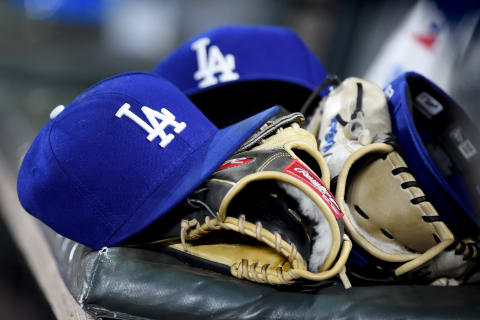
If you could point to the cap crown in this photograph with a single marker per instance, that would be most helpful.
(240, 53)
(93, 167)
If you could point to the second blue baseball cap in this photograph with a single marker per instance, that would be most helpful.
(441, 145)
(240, 68)
(120, 156)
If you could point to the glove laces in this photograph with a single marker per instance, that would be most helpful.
(330, 80)
(468, 248)
(254, 271)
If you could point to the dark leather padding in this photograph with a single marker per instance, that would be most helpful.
(274, 213)
(132, 283)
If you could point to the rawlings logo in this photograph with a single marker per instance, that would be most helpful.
(312, 180)
(234, 162)
(297, 170)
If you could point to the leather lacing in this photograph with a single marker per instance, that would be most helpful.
(245, 267)
(355, 129)
(416, 200)
(410, 184)
(357, 117)
(468, 248)
(192, 229)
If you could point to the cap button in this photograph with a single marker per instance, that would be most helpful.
(56, 111)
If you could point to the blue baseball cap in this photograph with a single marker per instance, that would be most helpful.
(441, 146)
(241, 67)
(120, 156)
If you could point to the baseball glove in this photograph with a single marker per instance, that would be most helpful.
(265, 215)
(397, 233)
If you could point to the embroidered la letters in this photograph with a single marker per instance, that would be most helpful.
(211, 63)
(156, 129)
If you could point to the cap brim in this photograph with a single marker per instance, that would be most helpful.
(196, 169)
(255, 77)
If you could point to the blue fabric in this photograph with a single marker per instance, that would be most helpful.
(259, 53)
(65, 11)
(446, 198)
(96, 179)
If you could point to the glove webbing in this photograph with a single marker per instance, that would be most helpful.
(248, 270)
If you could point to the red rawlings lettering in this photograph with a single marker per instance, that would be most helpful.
(297, 170)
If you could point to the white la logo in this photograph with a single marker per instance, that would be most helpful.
(212, 63)
(156, 129)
